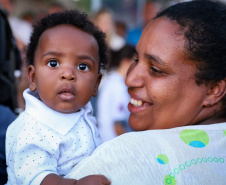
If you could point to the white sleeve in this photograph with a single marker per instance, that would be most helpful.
(29, 158)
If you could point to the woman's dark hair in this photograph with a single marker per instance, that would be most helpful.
(203, 23)
(74, 18)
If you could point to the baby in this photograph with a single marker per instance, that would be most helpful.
(57, 130)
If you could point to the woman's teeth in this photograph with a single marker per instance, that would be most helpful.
(136, 103)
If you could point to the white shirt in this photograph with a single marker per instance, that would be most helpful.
(42, 141)
(112, 103)
(21, 29)
(190, 155)
(116, 42)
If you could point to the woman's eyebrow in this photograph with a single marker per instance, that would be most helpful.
(135, 52)
(155, 59)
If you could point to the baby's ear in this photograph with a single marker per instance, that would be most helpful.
(31, 75)
(97, 85)
(215, 93)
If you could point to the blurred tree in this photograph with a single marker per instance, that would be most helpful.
(82, 5)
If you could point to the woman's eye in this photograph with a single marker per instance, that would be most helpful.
(83, 67)
(135, 60)
(155, 71)
(53, 63)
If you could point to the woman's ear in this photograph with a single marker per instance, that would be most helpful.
(97, 85)
(31, 75)
(215, 93)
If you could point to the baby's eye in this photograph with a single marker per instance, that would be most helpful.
(53, 63)
(83, 67)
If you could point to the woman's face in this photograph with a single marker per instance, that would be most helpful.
(161, 81)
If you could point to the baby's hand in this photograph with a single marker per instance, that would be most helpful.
(54, 179)
(93, 180)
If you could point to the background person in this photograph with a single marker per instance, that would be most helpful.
(7, 116)
(104, 19)
(177, 86)
(9, 58)
(150, 9)
(21, 30)
(113, 98)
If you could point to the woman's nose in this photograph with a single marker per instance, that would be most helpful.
(68, 73)
(135, 76)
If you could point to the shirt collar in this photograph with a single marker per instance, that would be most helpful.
(60, 122)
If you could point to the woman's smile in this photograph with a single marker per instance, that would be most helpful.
(137, 104)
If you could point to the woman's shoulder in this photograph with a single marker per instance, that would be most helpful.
(161, 155)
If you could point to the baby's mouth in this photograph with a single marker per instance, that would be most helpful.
(66, 94)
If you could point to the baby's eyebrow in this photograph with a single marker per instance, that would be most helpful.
(58, 54)
(86, 57)
(52, 53)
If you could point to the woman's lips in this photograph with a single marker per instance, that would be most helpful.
(66, 95)
(137, 105)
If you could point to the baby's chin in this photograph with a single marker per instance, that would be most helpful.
(65, 107)
(65, 110)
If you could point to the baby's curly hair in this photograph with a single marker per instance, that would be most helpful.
(71, 17)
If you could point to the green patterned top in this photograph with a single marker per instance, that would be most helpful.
(190, 155)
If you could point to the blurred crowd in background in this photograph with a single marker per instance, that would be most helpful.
(121, 20)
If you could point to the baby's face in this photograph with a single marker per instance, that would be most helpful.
(65, 70)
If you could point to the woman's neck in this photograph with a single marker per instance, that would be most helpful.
(210, 115)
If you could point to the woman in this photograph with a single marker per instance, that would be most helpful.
(177, 86)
